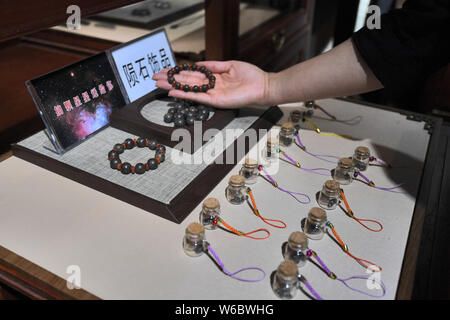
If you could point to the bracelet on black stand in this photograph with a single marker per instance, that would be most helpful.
(139, 168)
(185, 87)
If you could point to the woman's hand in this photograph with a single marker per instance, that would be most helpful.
(237, 84)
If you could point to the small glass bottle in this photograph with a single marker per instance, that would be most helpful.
(235, 191)
(249, 171)
(193, 241)
(315, 224)
(209, 214)
(270, 152)
(286, 136)
(344, 171)
(296, 248)
(310, 106)
(285, 282)
(329, 195)
(295, 116)
(361, 158)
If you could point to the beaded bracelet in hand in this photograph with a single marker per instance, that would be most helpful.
(185, 87)
(139, 168)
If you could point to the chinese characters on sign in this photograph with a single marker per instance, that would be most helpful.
(139, 60)
(77, 101)
(141, 73)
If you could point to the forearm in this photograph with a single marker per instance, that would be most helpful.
(339, 72)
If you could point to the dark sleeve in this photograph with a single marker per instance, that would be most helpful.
(412, 43)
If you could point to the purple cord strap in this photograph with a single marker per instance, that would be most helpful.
(391, 189)
(318, 156)
(314, 255)
(303, 280)
(311, 253)
(324, 111)
(351, 121)
(305, 169)
(382, 162)
(363, 176)
(233, 274)
(291, 193)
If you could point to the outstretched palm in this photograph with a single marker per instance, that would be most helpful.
(237, 84)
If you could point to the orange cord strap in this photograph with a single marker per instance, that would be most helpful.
(349, 212)
(365, 263)
(279, 224)
(240, 233)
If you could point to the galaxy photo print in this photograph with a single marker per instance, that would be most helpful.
(77, 100)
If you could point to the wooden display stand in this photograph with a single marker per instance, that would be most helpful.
(130, 119)
(181, 206)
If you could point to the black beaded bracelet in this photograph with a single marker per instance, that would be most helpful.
(139, 168)
(185, 87)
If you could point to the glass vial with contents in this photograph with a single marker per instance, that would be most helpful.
(315, 224)
(295, 116)
(285, 282)
(310, 106)
(344, 171)
(209, 214)
(286, 135)
(193, 241)
(296, 248)
(235, 192)
(361, 158)
(329, 195)
(249, 171)
(270, 152)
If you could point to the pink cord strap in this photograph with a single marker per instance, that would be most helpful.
(233, 274)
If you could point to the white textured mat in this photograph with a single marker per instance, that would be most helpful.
(91, 156)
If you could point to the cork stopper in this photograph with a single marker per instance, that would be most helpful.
(237, 179)
(298, 238)
(363, 151)
(211, 203)
(195, 228)
(288, 268)
(251, 162)
(287, 126)
(318, 213)
(345, 162)
(309, 104)
(332, 185)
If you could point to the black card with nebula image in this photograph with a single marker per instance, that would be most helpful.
(77, 100)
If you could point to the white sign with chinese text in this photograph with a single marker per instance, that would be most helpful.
(138, 61)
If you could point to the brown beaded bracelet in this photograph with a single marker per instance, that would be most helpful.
(185, 87)
(139, 168)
